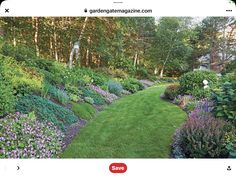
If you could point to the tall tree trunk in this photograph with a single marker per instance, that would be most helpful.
(14, 33)
(55, 46)
(164, 64)
(167, 57)
(51, 46)
(135, 58)
(55, 40)
(87, 52)
(36, 31)
(161, 73)
(73, 50)
(14, 41)
(87, 57)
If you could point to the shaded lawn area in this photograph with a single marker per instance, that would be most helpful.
(136, 126)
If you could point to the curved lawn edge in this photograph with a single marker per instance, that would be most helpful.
(136, 126)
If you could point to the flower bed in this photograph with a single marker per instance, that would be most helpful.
(108, 96)
(22, 136)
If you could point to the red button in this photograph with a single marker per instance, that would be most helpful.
(118, 168)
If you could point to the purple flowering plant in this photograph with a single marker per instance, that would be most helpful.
(22, 136)
(203, 109)
(108, 96)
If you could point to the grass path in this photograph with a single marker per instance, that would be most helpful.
(136, 126)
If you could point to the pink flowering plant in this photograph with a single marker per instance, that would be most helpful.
(22, 136)
(108, 96)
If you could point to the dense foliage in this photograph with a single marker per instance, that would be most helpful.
(46, 110)
(24, 79)
(22, 136)
(203, 138)
(40, 74)
(192, 83)
(171, 91)
(225, 102)
(115, 87)
(132, 85)
(83, 110)
(7, 99)
(97, 98)
(51, 91)
(108, 96)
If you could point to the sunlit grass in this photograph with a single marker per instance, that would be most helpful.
(137, 126)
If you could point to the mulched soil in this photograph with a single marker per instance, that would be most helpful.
(72, 131)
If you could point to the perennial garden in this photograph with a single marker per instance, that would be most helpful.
(131, 92)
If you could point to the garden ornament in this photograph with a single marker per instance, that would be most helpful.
(205, 82)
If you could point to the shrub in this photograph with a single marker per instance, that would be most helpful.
(46, 110)
(115, 87)
(230, 139)
(72, 89)
(203, 138)
(7, 99)
(132, 85)
(89, 100)
(23, 79)
(19, 52)
(22, 136)
(84, 76)
(229, 77)
(98, 99)
(98, 79)
(60, 95)
(51, 78)
(192, 83)
(108, 96)
(225, 102)
(171, 91)
(84, 110)
(74, 98)
(118, 73)
(141, 72)
(230, 66)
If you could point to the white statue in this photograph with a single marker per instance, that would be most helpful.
(205, 82)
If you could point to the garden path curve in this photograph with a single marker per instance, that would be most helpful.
(140, 125)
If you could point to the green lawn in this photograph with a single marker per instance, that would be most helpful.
(136, 126)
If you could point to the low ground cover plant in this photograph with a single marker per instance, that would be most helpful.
(97, 98)
(23, 136)
(83, 110)
(108, 96)
(46, 110)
